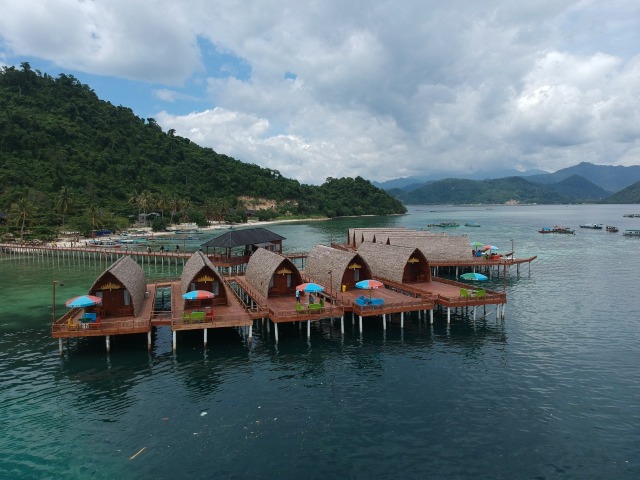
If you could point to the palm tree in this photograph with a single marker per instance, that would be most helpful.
(96, 216)
(64, 202)
(20, 212)
(144, 200)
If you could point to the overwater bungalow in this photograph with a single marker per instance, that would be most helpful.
(219, 309)
(342, 270)
(125, 308)
(271, 280)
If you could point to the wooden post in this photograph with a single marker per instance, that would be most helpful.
(149, 340)
(401, 319)
(60, 346)
(503, 307)
(108, 343)
(308, 328)
(251, 331)
(342, 324)
(384, 321)
(275, 328)
(448, 314)
(431, 316)
(174, 341)
(205, 338)
(360, 322)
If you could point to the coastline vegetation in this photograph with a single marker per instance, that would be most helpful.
(72, 162)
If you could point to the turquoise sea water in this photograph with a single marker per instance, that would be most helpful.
(552, 391)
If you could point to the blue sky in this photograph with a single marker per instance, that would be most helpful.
(383, 90)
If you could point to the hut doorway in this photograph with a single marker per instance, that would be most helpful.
(281, 284)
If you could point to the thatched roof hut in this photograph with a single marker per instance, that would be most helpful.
(271, 274)
(200, 274)
(122, 288)
(358, 235)
(330, 266)
(396, 263)
(437, 247)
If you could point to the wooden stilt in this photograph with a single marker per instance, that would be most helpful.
(275, 329)
(174, 341)
(401, 319)
(108, 341)
(308, 328)
(448, 314)
(205, 337)
(384, 321)
(360, 322)
(250, 331)
(342, 324)
(60, 346)
(149, 340)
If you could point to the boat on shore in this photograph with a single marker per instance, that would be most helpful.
(557, 229)
(472, 224)
(444, 224)
(593, 226)
(612, 229)
(632, 232)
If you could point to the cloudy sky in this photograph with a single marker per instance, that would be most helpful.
(381, 89)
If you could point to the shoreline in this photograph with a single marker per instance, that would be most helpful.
(68, 242)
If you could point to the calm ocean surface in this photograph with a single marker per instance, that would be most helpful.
(552, 391)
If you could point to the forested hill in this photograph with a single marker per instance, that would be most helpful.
(66, 152)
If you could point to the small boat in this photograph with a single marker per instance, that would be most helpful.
(593, 226)
(631, 215)
(444, 224)
(472, 224)
(612, 229)
(557, 229)
(632, 233)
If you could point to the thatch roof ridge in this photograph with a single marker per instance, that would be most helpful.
(130, 274)
(322, 260)
(440, 248)
(195, 263)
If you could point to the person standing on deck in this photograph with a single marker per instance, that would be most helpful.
(298, 296)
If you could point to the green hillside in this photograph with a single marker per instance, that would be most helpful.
(68, 157)
(502, 190)
(631, 194)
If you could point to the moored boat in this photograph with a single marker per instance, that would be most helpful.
(557, 229)
(594, 226)
(612, 229)
(472, 224)
(632, 232)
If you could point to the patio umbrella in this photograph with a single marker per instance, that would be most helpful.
(474, 276)
(476, 244)
(369, 285)
(83, 301)
(490, 247)
(198, 295)
(310, 287)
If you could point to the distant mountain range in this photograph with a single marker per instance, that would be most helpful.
(582, 183)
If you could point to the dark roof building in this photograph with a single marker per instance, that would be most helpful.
(246, 237)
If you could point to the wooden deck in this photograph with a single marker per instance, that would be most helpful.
(69, 325)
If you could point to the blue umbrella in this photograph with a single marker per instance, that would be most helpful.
(310, 287)
(83, 301)
(474, 276)
(198, 295)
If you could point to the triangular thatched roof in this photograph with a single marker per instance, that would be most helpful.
(387, 261)
(127, 271)
(195, 263)
(323, 259)
(243, 237)
(261, 267)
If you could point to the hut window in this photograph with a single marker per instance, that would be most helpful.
(356, 274)
(215, 287)
(193, 286)
(99, 293)
(288, 281)
(271, 282)
(127, 297)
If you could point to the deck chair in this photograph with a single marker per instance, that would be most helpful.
(481, 293)
(299, 308)
(72, 325)
(464, 293)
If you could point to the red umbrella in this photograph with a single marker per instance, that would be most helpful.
(198, 295)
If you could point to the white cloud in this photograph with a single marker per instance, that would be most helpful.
(381, 90)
